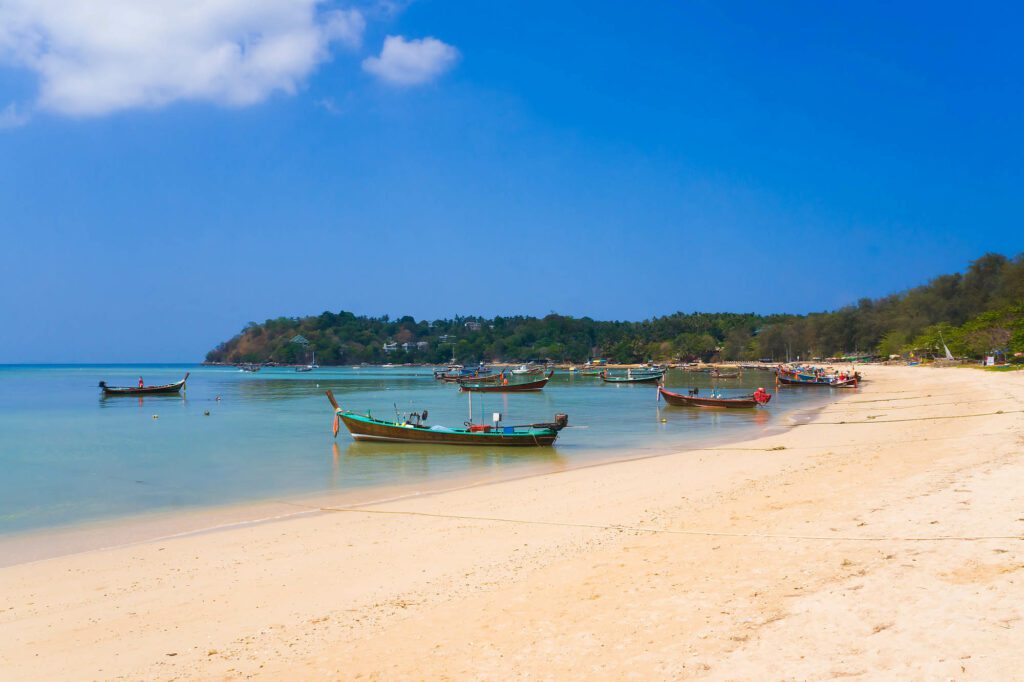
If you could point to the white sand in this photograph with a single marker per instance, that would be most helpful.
(817, 561)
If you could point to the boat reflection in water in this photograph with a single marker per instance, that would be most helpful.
(413, 461)
(117, 400)
(355, 470)
(475, 454)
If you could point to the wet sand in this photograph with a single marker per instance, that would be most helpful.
(883, 538)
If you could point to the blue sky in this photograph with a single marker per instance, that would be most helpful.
(437, 158)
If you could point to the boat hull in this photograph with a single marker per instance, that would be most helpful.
(368, 429)
(145, 390)
(681, 400)
(817, 381)
(646, 379)
(498, 387)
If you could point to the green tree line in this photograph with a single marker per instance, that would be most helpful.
(974, 312)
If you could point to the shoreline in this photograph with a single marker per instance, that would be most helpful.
(883, 538)
(40, 544)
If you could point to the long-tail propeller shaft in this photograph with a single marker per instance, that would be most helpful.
(337, 411)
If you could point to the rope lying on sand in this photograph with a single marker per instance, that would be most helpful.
(672, 531)
(910, 419)
(857, 444)
(913, 397)
(918, 407)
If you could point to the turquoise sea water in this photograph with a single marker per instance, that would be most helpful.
(69, 455)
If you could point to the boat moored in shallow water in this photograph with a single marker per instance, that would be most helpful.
(816, 377)
(413, 429)
(633, 377)
(503, 385)
(144, 390)
(693, 399)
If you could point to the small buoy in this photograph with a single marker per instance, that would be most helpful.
(206, 413)
(156, 416)
(218, 397)
(663, 420)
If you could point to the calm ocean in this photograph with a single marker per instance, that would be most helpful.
(69, 455)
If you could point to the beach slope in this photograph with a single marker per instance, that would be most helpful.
(879, 537)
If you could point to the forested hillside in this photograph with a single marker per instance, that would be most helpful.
(975, 312)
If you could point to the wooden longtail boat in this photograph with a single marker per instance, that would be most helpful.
(725, 375)
(499, 377)
(506, 386)
(795, 379)
(527, 369)
(487, 379)
(694, 400)
(366, 427)
(827, 382)
(455, 376)
(634, 378)
(144, 390)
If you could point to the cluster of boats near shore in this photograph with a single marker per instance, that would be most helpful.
(413, 428)
(480, 379)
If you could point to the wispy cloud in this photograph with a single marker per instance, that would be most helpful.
(12, 116)
(93, 57)
(411, 62)
(331, 106)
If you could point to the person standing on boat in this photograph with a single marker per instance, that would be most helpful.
(141, 383)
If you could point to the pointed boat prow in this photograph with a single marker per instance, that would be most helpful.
(337, 412)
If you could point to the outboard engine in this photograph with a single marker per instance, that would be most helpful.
(561, 421)
(103, 384)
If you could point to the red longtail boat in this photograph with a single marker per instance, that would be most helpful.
(144, 390)
(760, 397)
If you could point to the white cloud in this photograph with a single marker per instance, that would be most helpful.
(98, 56)
(411, 62)
(12, 117)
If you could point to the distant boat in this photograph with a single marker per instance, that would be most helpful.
(829, 382)
(413, 429)
(310, 367)
(505, 386)
(631, 377)
(694, 400)
(791, 377)
(249, 367)
(457, 373)
(485, 379)
(144, 390)
(724, 375)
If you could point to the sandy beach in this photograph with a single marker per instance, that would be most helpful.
(879, 538)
